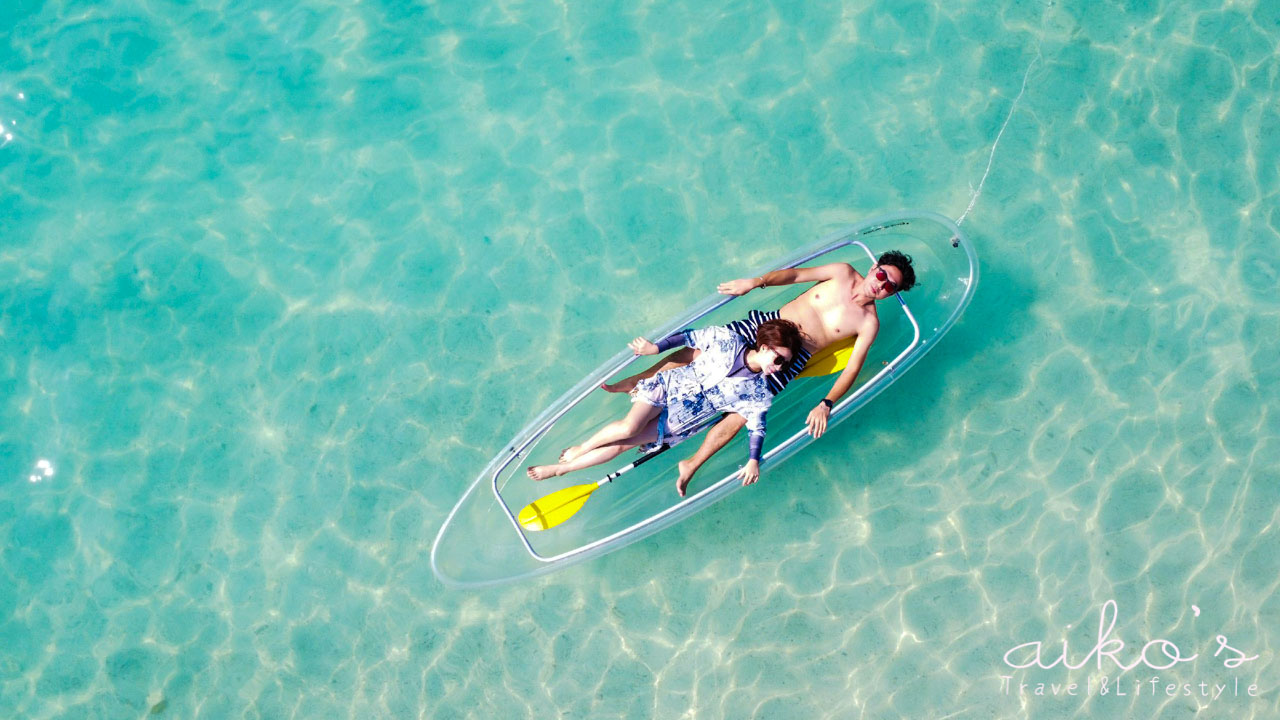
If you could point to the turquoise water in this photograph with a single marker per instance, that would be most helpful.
(276, 283)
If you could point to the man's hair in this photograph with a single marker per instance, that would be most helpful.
(901, 261)
(780, 333)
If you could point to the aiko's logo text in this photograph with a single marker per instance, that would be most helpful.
(1158, 654)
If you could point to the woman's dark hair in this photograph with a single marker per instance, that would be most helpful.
(901, 261)
(779, 333)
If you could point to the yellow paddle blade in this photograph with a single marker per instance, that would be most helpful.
(550, 511)
(830, 360)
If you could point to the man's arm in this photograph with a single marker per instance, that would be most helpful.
(817, 420)
(787, 276)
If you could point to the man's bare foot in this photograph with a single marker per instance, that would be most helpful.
(687, 470)
(622, 386)
(570, 453)
(542, 472)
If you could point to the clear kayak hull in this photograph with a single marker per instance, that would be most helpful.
(480, 542)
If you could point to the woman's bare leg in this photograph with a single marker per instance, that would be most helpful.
(637, 417)
(602, 454)
(683, 356)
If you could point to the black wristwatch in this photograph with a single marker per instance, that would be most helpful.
(827, 402)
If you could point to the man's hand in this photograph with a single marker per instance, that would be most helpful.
(817, 420)
(640, 346)
(739, 287)
(750, 472)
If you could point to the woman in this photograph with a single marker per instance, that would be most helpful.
(727, 376)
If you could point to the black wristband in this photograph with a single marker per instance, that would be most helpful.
(827, 402)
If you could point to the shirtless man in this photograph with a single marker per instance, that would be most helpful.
(839, 306)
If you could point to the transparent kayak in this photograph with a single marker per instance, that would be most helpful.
(481, 543)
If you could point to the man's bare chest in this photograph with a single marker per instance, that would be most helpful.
(826, 317)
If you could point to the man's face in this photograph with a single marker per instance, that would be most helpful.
(885, 280)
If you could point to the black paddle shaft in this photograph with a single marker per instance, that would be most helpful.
(663, 448)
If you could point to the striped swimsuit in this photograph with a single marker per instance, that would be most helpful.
(746, 329)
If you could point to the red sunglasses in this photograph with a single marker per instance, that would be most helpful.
(883, 277)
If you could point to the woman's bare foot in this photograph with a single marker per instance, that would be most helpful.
(570, 453)
(686, 469)
(542, 472)
(622, 386)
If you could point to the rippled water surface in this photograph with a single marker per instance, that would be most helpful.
(277, 281)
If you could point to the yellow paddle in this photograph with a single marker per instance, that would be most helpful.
(830, 359)
(548, 512)
(551, 510)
